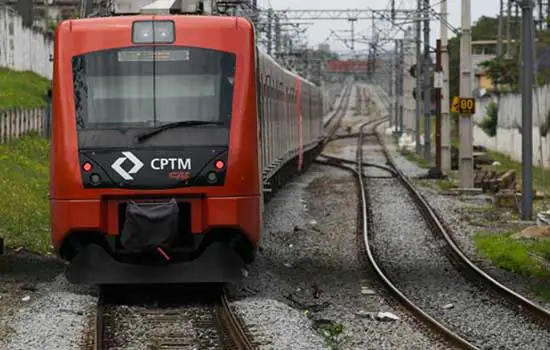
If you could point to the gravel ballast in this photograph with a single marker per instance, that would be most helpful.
(311, 260)
(410, 256)
(456, 212)
(55, 318)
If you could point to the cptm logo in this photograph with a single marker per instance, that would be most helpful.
(126, 175)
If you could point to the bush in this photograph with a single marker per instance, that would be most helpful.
(490, 121)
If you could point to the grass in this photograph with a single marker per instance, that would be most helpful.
(22, 89)
(415, 158)
(522, 256)
(24, 210)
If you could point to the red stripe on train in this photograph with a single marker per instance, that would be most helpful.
(300, 136)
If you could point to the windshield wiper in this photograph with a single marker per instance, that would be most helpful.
(184, 123)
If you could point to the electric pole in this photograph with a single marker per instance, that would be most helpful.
(352, 23)
(500, 24)
(394, 91)
(508, 29)
(269, 31)
(418, 35)
(86, 7)
(466, 166)
(401, 84)
(427, 84)
(445, 117)
(527, 110)
(438, 85)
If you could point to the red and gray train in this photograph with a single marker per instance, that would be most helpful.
(164, 131)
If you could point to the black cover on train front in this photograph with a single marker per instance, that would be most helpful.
(150, 225)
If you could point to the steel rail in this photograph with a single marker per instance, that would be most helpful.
(416, 310)
(440, 229)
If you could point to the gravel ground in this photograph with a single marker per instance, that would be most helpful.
(310, 272)
(457, 213)
(40, 310)
(310, 260)
(412, 258)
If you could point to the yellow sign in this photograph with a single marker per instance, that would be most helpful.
(463, 105)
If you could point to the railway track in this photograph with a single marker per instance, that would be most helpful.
(527, 314)
(156, 318)
(332, 124)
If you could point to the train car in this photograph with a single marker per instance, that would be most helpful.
(163, 131)
(290, 112)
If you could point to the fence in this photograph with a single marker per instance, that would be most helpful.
(17, 122)
(508, 137)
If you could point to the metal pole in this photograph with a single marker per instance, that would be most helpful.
(277, 36)
(427, 84)
(508, 29)
(418, 76)
(527, 110)
(466, 164)
(393, 92)
(445, 116)
(438, 69)
(269, 31)
(395, 86)
(500, 24)
(86, 7)
(401, 84)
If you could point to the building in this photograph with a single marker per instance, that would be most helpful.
(484, 50)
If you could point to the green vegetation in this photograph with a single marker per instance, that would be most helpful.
(24, 211)
(416, 159)
(22, 89)
(526, 257)
(490, 121)
(333, 334)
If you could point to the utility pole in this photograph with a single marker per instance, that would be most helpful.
(394, 115)
(445, 116)
(527, 110)
(427, 84)
(269, 31)
(401, 84)
(500, 25)
(86, 8)
(352, 22)
(418, 74)
(438, 85)
(541, 16)
(466, 164)
(508, 29)
(277, 36)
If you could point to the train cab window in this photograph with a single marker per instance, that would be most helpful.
(150, 86)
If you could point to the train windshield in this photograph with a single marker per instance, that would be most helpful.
(140, 88)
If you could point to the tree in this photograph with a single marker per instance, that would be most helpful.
(503, 71)
(486, 28)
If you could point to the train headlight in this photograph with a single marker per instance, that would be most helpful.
(95, 179)
(212, 177)
(149, 32)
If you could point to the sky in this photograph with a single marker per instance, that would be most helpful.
(319, 30)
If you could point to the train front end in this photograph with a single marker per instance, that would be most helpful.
(154, 156)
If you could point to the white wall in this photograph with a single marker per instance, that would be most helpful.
(508, 138)
(23, 48)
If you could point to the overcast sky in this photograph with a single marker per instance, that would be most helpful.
(319, 31)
